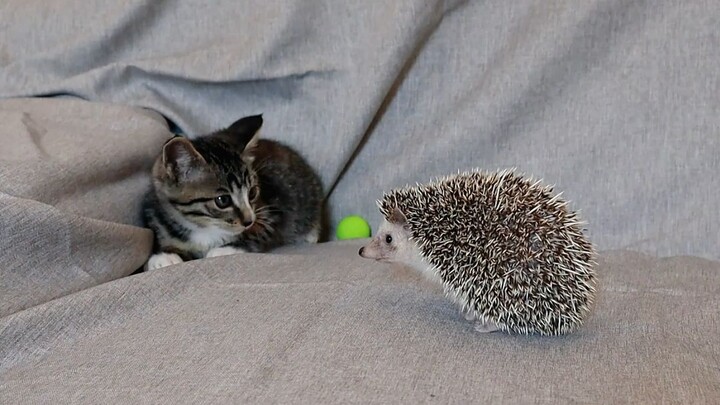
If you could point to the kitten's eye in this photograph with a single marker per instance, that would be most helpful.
(253, 193)
(388, 239)
(223, 201)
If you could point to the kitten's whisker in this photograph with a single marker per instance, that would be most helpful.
(263, 210)
(266, 226)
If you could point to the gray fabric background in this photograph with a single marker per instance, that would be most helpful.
(616, 102)
(321, 325)
(71, 174)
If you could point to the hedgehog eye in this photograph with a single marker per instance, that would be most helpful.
(388, 239)
(223, 201)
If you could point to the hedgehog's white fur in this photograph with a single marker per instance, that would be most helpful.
(516, 227)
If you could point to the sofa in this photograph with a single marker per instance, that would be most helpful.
(616, 104)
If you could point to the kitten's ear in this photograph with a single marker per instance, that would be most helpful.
(181, 161)
(244, 132)
(398, 218)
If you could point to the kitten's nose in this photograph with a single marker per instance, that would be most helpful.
(247, 222)
(360, 252)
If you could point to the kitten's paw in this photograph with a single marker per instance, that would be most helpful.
(223, 251)
(313, 236)
(486, 327)
(160, 260)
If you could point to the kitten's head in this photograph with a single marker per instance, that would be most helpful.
(210, 180)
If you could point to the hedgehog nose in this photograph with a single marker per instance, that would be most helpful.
(360, 252)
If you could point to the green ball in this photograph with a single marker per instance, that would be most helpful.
(353, 227)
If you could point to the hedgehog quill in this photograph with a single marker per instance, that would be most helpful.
(506, 249)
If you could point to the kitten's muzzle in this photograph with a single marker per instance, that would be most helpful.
(244, 216)
(246, 222)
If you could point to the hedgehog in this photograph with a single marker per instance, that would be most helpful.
(505, 248)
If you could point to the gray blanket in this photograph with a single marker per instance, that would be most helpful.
(615, 102)
(321, 325)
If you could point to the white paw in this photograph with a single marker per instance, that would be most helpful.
(160, 260)
(312, 236)
(223, 251)
(486, 327)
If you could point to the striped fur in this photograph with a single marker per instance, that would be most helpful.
(230, 189)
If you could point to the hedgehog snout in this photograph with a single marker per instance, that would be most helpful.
(360, 252)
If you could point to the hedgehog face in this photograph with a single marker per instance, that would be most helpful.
(392, 242)
(389, 244)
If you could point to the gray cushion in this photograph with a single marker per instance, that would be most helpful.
(71, 177)
(319, 324)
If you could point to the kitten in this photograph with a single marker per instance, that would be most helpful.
(229, 192)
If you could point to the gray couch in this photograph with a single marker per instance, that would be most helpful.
(617, 103)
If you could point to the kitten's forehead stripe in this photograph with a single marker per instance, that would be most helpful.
(236, 201)
(194, 201)
(227, 161)
(197, 213)
(232, 180)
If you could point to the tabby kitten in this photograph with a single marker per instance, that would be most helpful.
(229, 192)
